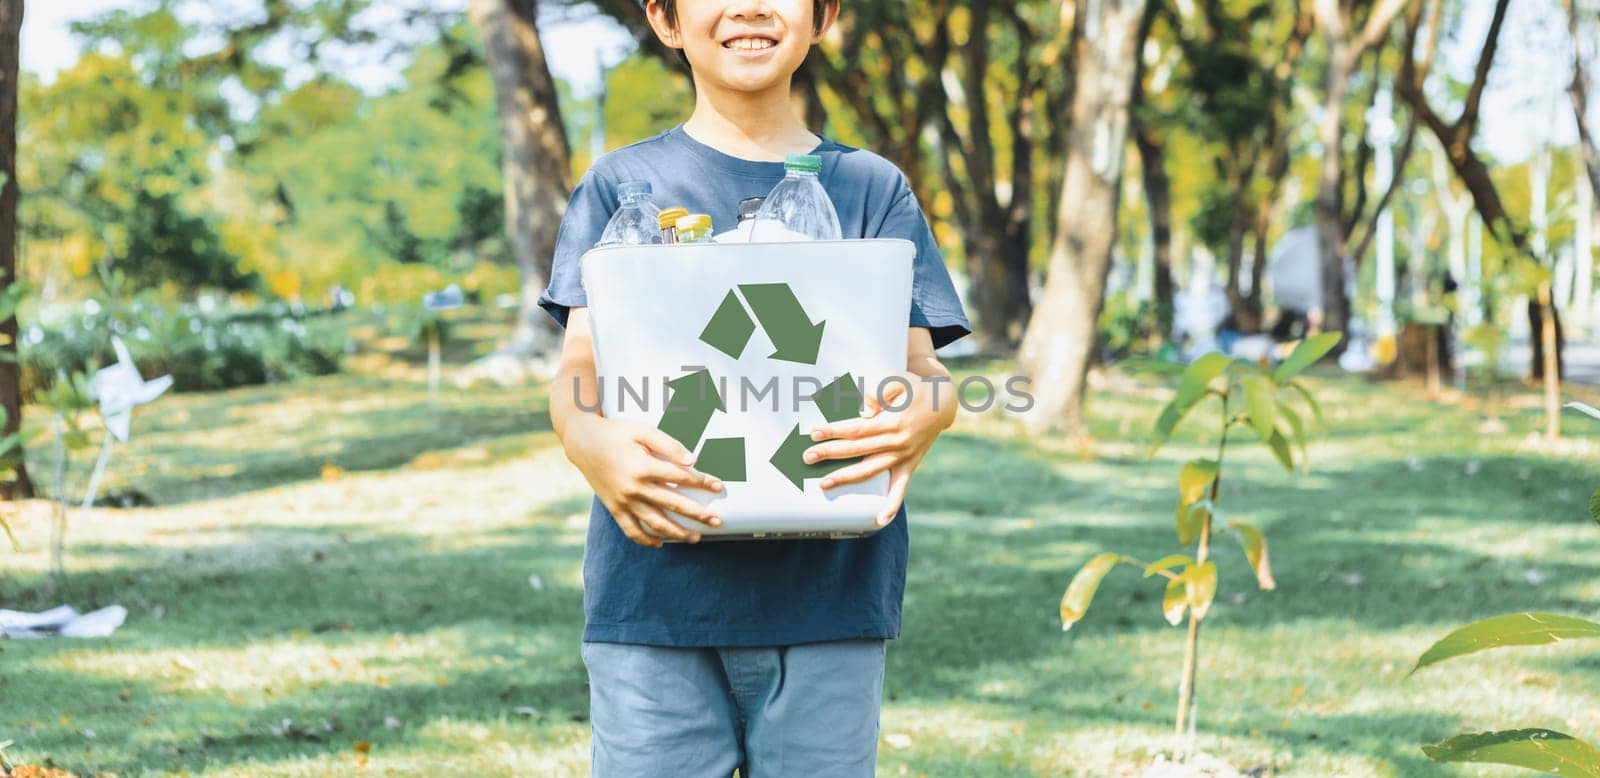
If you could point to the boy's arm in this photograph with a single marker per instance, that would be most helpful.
(893, 440)
(615, 455)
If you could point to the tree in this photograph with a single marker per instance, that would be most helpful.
(1233, 93)
(1456, 138)
(1061, 331)
(1578, 90)
(10, 371)
(1347, 43)
(535, 156)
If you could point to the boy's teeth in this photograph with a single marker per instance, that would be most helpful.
(750, 44)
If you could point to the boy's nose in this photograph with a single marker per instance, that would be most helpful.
(749, 9)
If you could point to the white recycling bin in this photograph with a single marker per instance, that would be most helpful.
(738, 350)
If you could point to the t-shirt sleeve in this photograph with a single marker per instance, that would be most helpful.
(585, 219)
(934, 302)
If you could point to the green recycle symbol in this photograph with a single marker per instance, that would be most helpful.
(694, 399)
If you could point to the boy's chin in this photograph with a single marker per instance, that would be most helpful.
(748, 82)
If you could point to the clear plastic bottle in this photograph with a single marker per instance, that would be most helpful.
(798, 208)
(636, 221)
(747, 215)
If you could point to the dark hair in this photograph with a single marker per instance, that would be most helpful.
(818, 8)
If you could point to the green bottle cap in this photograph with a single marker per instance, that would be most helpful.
(808, 162)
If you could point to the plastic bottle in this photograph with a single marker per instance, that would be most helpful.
(694, 228)
(798, 208)
(635, 222)
(668, 221)
(747, 215)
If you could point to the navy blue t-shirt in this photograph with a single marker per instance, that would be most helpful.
(748, 592)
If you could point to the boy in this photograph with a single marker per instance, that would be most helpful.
(766, 656)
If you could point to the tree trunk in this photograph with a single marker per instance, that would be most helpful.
(1579, 91)
(1330, 191)
(536, 161)
(1158, 204)
(807, 102)
(1061, 332)
(10, 371)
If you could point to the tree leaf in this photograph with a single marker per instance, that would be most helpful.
(1582, 408)
(1263, 408)
(1297, 430)
(1195, 478)
(1280, 449)
(1175, 600)
(1544, 750)
(1075, 602)
(1311, 402)
(1190, 520)
(1197, 378)
(1512, 629)
(1165, 425)
(1305, 355)
(1167, 563)
(1255, 550)
(1202, 586)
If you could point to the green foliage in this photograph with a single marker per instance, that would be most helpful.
(1536, 749)
(200, 351)
(1128, 326)
(1515, 629)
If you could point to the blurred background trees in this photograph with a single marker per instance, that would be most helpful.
(1089, 167)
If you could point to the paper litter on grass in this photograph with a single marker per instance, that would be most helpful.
(63, 621)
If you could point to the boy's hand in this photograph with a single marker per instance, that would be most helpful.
(893, 440)
(630, 466)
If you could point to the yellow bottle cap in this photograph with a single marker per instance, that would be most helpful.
(692, 222)
(671, 216)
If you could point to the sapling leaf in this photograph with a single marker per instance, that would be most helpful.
(1255, 551)
(1190, 519)
(1512, 629)
(1280, 449)
(1263, 408)
(1305, 355)
(1175, 599)
(1168, 421)
(1311, 402)
(1202, 588)
(1075, 602)
(1167, 563)
(1198, 377)
(1544, 750)
(1194, 480)
(1297, 430)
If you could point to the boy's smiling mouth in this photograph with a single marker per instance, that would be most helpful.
(750, 43)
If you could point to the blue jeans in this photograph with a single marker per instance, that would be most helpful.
(771, 711)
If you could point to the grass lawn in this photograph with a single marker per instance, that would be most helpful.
(338, 561)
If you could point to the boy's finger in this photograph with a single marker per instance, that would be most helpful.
(844, 449)
(859, 471)
(856, 428)
(897, 495)
(630, 527)
(665, 445)
(667, 499)
(663, 526)
(667, 473)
